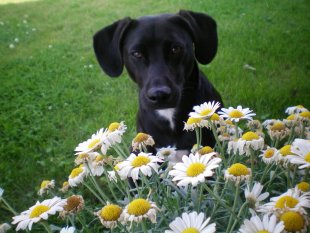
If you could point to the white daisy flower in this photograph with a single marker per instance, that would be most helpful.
(236, 114)
(77, 176)
(166, 152)
(301, 149)
(192, 222)
(110, 215)
(270, 155)
(294, 222)
(238, 172)
(249, 141)
(139, 209)
(45, 186)
(284, 153)
(94, 143)
(115, 132)
(4, 227)
(67, 230)
(141, 141)
(205, 110)
(41, 210)
(193, 123)
(295, 109)
(293, 199)
(276, 129)
(194, 169)
(145, 163)
(255, 196)
(265, 225)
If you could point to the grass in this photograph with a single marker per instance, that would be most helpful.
(51, 99)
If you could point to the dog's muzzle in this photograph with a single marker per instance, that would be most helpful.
(159, 95)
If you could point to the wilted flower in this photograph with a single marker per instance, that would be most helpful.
(139, 209)
(295, 109)
(41, 210)
(237, 114)
(141, 141)
(45, 186)
(265, 225)
(194, 169)
(276, 129)
(65, 187)
(75, 203)
(191, 223)
(110, 215)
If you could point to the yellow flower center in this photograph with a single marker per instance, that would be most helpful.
(291, 117)
(140, 160)
(303, 186)
(305, 114)
(93, 143)
(286, 150)
(307, 157)
(293, 221)
(215, 117)
(205, 112)
(82, 156)
(113, 126)
(76, 171)
(44, 183)
(38, 210)
(205, 150)
(99, 158)
(64, 184)
(193, 120)
(238, 169)
(229, 122)
(141, 137)
(73, 203)
(278, 126)
(195, 169)
(269, 153)
(190, 230)
(139, 207)
(299, 106)
(286, 201)
(116, 167)
(236, 114)
(263, 231)
(110, 212)
(249, 136)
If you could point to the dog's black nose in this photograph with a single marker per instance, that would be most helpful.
(159, 94)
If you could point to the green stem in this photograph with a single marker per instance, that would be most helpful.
(218, 142)
(85, 227)
(144, 228)
(94, 193)
(239, 214)
(46, 227)
(8, 206)
(110, 187)
(234, 207)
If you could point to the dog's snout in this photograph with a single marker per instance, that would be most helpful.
(159, 94)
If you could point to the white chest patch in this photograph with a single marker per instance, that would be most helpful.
(168, 114)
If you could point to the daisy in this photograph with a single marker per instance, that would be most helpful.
(92, 144)
(166, 152)
(293, 199)
(65, 187)
(294, 222)
(265, 225)
(303, 186)
(276, 129)
(284, 152)
(115, 132)
(248, 142)
(139, 209)
(205, 150)
(237, 173)
(77, 176)
(193, 123)
(192, 222)
(141, 141)
(134, 164)
(109, 215)
(301, 149)
(41, 210)
(304, 117)
(75, 204)
(255, 196)
(205, 110)
(194, 169)
(270, 155)
(67, 230)
(4, 227)
(96, 165)
(296, 109)
(45, 186)
(236, 114)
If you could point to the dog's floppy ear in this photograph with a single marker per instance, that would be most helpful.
(107, 46)
(204, 33)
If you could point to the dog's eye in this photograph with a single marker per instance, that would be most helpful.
(176, 50)
(137, 54)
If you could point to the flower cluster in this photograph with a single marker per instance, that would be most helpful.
(254, 180)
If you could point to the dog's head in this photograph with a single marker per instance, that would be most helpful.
(159, 52)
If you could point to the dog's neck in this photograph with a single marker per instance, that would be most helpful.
(168, 114)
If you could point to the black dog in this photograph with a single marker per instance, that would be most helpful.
(160, 54)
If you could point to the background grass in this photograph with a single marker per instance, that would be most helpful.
(53, 94)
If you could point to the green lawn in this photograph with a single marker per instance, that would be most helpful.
(53, 94)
